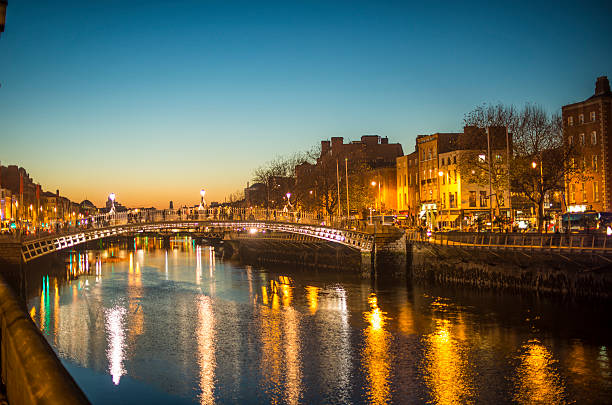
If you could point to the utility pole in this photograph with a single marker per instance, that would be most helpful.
(508, 164)
(338, 182)
(348, 211)
(490, 183)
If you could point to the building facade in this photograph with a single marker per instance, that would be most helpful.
(586, 126)
(408, 187)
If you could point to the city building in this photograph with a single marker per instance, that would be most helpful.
(586, 126)
(408, 188)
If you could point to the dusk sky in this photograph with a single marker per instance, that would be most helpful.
(154, 100)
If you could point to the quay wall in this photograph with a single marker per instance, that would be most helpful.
(31, 372)
(577, 275)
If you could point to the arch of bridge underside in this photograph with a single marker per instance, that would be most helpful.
(35, 248)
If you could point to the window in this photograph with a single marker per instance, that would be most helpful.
(442, 162)
(472, 199)
(443, 202)
(573, 193)
(452, 200)
(448, 160)
(594, 138)
(455, 159)
(592, 116)
(584, 196)
(405, 203)
(430, 194)
(405, 180)
(455, 174)
(581, 119)
(594, 163)
(443, 182)
(595, 191)
(428, 153)
(483, 198)
(582, 139)
(570, 140)
(570, 120)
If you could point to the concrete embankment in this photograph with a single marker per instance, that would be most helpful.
(579, 275)
(31, 372)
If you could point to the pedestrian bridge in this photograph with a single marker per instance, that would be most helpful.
(217, 222)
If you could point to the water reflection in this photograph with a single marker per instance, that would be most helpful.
(116, 342)
(191, 325)
(376, 358)
(537, 380)
(205, 337)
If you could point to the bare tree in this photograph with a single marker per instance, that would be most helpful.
(540, 161)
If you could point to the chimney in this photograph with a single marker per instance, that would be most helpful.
(602, 86)
(57, 193)
(325, 146)
(384, 141)
(336, 144)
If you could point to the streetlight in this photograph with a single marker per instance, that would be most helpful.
(440, 174)
(111, 197)
(373, 183)
(202, 194)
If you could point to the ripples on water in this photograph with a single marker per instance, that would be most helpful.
(151, 325)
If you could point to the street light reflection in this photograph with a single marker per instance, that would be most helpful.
(376, 357)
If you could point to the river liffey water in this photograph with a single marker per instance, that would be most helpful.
(180, 325)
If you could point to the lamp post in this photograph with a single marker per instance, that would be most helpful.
(202, 203)
(534, 165)
(440, 174)
(379, 205)
(111, 197)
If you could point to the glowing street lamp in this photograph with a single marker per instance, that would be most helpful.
(111, 196)
(373, 183)
(202, 203)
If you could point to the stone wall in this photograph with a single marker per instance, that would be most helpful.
(582, 275)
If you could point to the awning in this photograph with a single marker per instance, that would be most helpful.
(447, 218)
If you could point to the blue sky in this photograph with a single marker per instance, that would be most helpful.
(154, 100)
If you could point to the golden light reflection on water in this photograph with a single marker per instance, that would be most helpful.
(205, 337)
(537, 380)
(376, 359)
(447, 368)
(312, 296)
(280, 337)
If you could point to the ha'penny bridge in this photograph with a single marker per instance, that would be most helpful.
(206, 224)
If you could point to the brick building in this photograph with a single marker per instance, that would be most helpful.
(586, 125)
(408, 187)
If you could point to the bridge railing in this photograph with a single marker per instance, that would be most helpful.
(205, 214)
(519, 241)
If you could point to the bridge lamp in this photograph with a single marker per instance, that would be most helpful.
(534, 165)
(111, 196)
(202, 194)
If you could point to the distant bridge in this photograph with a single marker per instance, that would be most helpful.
(215, 222)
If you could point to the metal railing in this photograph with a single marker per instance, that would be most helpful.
(333, 229)
(552, 242)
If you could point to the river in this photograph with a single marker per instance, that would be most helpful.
(181, 325)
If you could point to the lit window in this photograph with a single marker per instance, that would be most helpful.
(570, 120)
(594, 163)
(592, 115)
(594, 138)
(573, 193)
(581, 119)
(595, 191)
(570, 140)
(455, 173)
(582, 139)
(584, 196)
